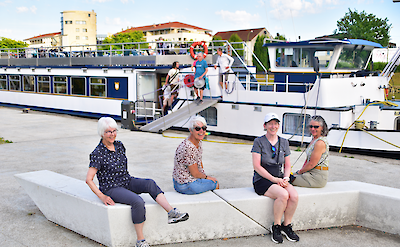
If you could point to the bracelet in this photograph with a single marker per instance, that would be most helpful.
(206, 177)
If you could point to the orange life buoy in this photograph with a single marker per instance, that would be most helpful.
(201, 43)
(189, 80)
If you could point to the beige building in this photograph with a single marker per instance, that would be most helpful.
(173, 31)
(44, 40)
(78, 28)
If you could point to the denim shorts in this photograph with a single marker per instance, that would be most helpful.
(196, 187)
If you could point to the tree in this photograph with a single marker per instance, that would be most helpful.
(365, 26)
(238, 47)
(262, 54)
(127, 37)
(10, 43)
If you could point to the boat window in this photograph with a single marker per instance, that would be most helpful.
(78, 85)
(293, 57)
(397, 123)
(210, 114)
(29, 83)
(15, 82)
(293, 124)
(98, 87)
(353, 58)
(3, 82)
(324, 57)
(60, 84)
(43, 84)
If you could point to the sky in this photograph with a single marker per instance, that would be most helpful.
(22, 19)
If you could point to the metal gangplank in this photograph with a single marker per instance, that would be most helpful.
(179, 115)
(388, 71)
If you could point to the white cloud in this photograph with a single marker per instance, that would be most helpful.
(24, 9)
(284, 9)
(117, 21)
(100, 1)
(127, 1)
(240, 18)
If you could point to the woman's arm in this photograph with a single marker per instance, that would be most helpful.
(319, 149)
(89, 180)
(194, 171)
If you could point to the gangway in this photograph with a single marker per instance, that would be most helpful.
(175, 117)
(389, 69)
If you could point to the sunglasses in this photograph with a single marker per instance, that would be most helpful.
(197, 128)
(273, 151)
(313, 126)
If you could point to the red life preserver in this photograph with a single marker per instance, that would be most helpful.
(202, 43)
(189, 80)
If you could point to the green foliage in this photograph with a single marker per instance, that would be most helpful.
(2, 141)
(378, 66)
(365, 26)
(10, 43)
(217, 37)
(128, 37)
(238, 47)
(262, 54)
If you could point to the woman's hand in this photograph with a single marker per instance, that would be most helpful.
(212, 178)
(282, 182)
(106, 200)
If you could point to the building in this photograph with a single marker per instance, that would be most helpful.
(78, 28)
(44, 40)
(249, 36)
(172, 31)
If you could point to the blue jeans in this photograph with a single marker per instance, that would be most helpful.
(196, 187)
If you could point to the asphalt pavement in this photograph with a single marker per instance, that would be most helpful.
(62, 143)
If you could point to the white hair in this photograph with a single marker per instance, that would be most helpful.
(105, 123)
(193, 122)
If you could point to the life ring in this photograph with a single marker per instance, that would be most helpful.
(201, 43)
(189, 80)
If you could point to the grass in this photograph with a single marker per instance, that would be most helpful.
(395, 86)
(2, 141)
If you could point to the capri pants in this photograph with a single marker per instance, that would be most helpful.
(129, 195)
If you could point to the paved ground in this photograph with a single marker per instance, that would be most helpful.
(62, 144)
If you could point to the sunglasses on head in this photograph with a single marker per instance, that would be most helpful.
(197, 128)
(313, 126)
(273, 151)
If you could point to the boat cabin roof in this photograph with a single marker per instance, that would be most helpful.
(325, 42)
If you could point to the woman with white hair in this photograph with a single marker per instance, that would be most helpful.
(314, 173)
(188, 175)
(109, 162)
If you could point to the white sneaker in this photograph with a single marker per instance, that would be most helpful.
(174, 216)
(142, 244)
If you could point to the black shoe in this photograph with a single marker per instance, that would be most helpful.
(289, 233)
(276, 235)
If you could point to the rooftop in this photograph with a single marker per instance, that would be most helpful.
(44, 35)
(162, 26)
(244, 34)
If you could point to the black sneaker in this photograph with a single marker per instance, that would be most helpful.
(276, 235)
(289, 233)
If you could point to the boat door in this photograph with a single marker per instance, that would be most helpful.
(146, 85)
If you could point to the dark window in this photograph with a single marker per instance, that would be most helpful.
(98, 87)
(15, 82)
(60, 84)
(78, 85)
(397, 123)
(3, 82)
(29, 83)
(210, 114)
(293, 124)
(43, 84)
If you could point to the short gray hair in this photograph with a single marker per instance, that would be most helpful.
(105, 123)
(193, 122)
(323, 124)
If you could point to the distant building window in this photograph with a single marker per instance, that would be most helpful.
(78, 85)
(98, 87)
(3, 82)
(43, 84)
(15, 82)
(85, 37)
(29, 83)
(68, 22)
(81, 22)
(88, 15)
(84, 30)
(77, 29)
(77, 37)
(60, 84)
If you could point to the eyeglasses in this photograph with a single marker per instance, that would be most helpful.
(111, 132)
(313, 126)
(197, 128)
(273, 151)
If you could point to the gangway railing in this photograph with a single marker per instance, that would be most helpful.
(390, 68)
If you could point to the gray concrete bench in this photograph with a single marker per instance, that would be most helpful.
(70, 203)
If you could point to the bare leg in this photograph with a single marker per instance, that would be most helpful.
(291, 204)
(139, 231)
(160, 199)
(201, 94)
(281, 196)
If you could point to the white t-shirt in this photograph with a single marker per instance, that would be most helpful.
(172, 72)
(224, 61)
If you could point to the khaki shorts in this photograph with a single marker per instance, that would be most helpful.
(312, 179)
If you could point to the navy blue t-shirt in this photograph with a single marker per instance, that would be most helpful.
(112, 166)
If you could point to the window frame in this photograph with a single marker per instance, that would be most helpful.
(23, 83)
(60, 82)
(5, 81)
(298, 130)
(98, 84)
(72, 86)
(41, 82)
